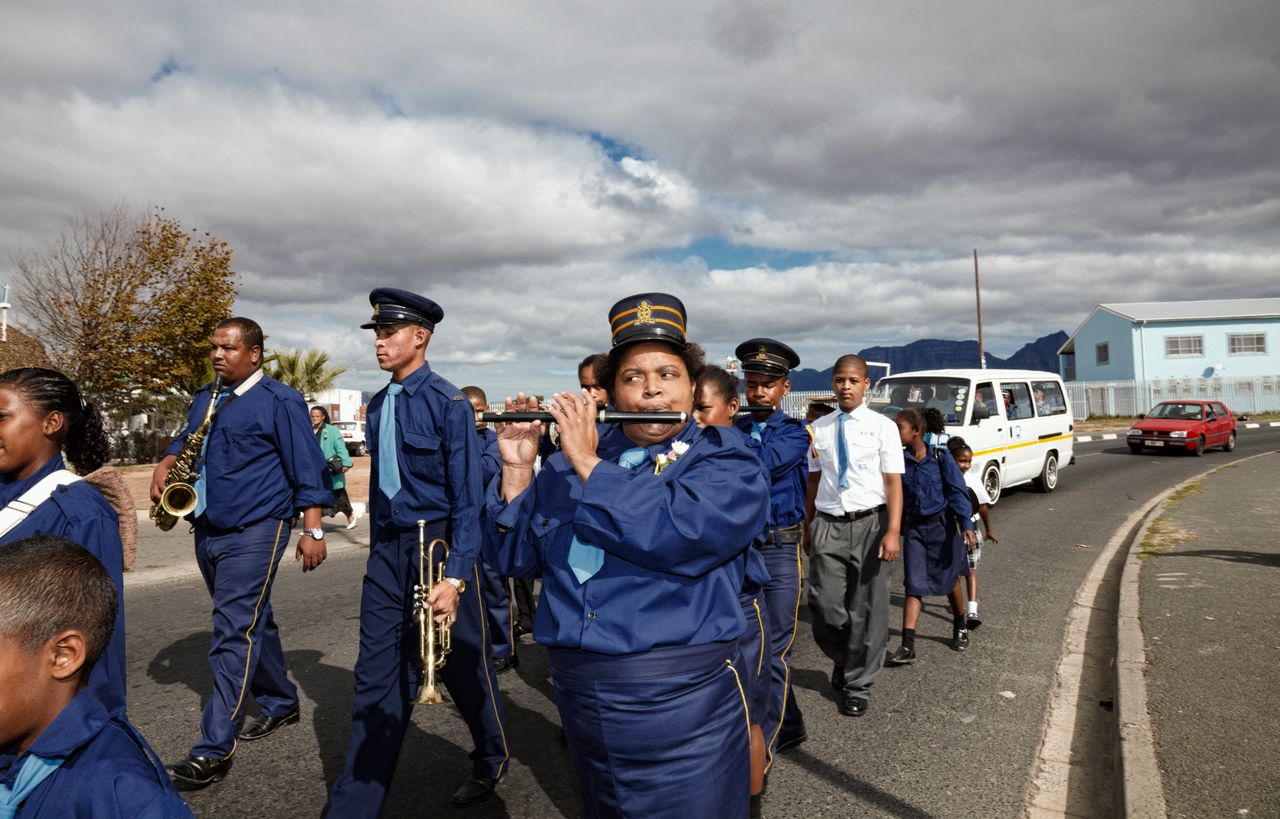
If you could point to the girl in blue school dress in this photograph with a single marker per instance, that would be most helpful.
(934, 500)
(715, 404)
(43, 415)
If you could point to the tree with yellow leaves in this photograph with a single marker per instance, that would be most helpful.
(126, 303)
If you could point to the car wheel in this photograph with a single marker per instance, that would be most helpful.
(1136, 449)
(362, 450)
(1199, 450)
(1048, 480)
(1230, 444)
(991, 481)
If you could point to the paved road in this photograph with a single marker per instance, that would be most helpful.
(943, 737)
(1210, 622)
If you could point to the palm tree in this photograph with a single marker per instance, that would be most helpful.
(307, 372)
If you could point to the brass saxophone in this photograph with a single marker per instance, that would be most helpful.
(178, 498)
(433, 637)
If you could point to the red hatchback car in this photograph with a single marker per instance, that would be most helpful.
(1189, 425)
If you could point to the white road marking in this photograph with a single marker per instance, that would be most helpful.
(1110, 437)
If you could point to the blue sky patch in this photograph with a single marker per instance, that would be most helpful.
(720, 254)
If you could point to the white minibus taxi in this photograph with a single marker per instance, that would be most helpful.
(1018, 422)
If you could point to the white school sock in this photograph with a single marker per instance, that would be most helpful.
(971, 607)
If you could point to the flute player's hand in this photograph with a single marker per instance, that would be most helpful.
(518, 440)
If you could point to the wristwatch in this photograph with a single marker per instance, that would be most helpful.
(457, 582)
(316, 534)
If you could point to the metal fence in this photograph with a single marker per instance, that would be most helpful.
(1128, 398)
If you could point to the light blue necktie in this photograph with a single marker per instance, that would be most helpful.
(585, 559)
(35, 770)
(842, 451)
(202, 500)
(388, 454)
(757, 428)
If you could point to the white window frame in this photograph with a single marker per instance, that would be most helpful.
(1180, 342)
(1259, 346)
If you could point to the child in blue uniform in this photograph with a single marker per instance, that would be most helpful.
(493, 586)
(41, 415)
(715, 405)
(934, 500)
(62, 754)
(640, 533)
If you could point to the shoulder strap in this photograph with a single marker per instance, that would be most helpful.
(26, 503)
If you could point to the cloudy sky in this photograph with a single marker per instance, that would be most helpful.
(815, 171)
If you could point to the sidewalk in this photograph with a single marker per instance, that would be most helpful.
(1209, 587)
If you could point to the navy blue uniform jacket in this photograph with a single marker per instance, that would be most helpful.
(931, 485)
(784, 449)
(439, 458)
(109, 771)
(675, 544)
(262, 461)
(79, 513)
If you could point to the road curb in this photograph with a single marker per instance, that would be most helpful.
(1139, 785)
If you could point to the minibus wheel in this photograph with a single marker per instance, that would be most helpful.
(991, 481)
(1048, 480)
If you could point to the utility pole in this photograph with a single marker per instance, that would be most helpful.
(977, 288)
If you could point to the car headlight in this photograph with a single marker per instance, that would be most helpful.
(1135, 431)
(1178, 433)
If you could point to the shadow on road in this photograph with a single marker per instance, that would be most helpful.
(1254, 558)
(185, 662)
(882, 802)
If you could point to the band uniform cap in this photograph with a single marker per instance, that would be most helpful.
(766, 356)
(648, 317)
(392, 305)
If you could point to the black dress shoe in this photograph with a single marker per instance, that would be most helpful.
(972, 620)
(196, 772)
(960, 639)
(505, 664)
(473, 790)
(853, 706)
(837, 677)
(790, 742)
(265, 726)
(903, 656)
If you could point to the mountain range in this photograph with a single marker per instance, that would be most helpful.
(937, 354)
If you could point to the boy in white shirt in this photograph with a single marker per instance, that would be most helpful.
(853, 514)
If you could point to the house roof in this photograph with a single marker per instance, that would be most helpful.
(1143, 312)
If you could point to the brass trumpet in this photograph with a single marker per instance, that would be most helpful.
(433, 637)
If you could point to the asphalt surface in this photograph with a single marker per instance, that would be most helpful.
(954, 735)
(1208, 591)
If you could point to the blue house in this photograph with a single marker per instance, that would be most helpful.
(1147, 341)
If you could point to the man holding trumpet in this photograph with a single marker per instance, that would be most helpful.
(639, 531)
(425, 467)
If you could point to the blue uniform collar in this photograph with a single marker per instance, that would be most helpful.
(11, 487)
(82, 719)
(416, 379)
(744, 423)
(614, 441)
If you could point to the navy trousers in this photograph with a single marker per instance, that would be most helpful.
(245, 656)
(783, 720)
(497, 607)
(389, 671)
(659, 733)
(754, 647)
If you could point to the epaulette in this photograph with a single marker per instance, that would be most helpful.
(446, 389)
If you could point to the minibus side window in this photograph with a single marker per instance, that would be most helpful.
(1017, 400)
(986, 395)
(1048, 398)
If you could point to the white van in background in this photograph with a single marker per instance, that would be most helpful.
(1017, 422)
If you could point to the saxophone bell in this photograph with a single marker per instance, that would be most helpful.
(178, 498)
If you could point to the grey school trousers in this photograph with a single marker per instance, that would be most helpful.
(849, 595)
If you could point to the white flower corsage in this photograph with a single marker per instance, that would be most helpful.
(666, 459)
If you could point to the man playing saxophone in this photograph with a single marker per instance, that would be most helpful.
(425, 466)
(257, 467)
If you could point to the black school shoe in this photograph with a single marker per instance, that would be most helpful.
(853, 705)
(903, 656)
(960, 639)
(265, 726)
(196, 772)
(474, 789)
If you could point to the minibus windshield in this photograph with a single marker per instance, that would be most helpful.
(893, 394)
